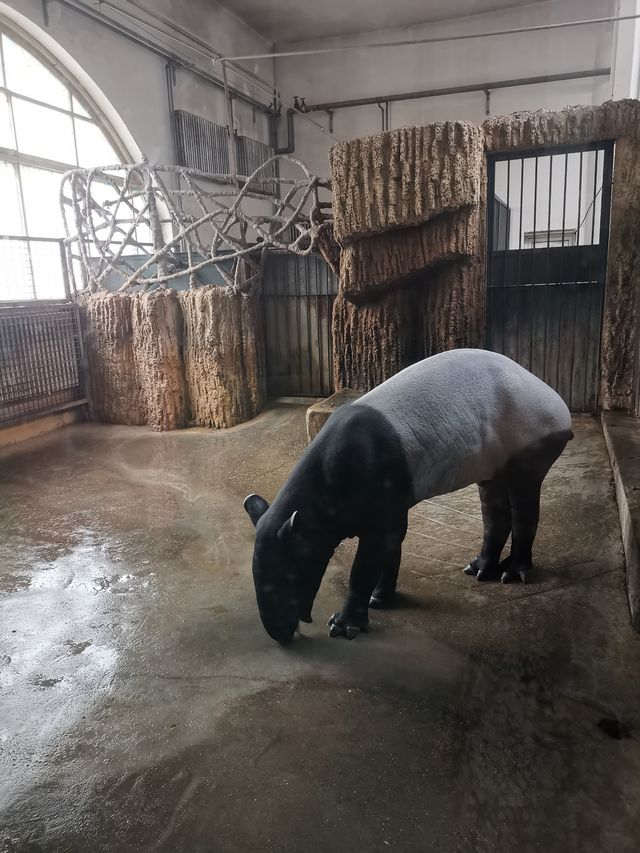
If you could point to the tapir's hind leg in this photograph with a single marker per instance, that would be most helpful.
(525, 474)
(496, 517)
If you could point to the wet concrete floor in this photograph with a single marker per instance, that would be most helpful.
(144, 708)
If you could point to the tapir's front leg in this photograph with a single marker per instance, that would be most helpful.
(377, 558)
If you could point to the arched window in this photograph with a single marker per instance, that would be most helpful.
(47, 126)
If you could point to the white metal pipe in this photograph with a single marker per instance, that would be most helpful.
(434, 40)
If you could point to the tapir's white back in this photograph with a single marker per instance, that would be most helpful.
(462, 414)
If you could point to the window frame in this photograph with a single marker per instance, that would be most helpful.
(96, 117)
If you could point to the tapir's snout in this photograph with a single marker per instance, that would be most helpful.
(279, 611)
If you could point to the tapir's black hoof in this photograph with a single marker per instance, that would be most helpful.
(338, 627)
(482, 572)
(472, 567)
(512, 573)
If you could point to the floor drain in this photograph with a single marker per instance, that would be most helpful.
(614, 728)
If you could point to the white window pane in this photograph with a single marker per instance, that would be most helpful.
(46, 264)
(41, 191)
(94, 149)
(78, 108)
(10, 213)
(6, 131)
(27, 75)
(16, 279)
(44, 132)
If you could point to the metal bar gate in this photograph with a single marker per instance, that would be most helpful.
(547, 238)
(298, 294)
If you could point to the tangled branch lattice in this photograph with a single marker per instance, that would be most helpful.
(143, 225)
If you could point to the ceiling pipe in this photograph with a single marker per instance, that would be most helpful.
(453, 90)
(347, 48)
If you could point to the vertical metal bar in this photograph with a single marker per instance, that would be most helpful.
(233, 160)
(271, 292)
(535, 201)
(286, 301)
(506, 249)
(575, 286)
(329, 315)
(520, 264)
(546, 287)
(319, 330)
(298, 298)
(564, 196)
(579, 222)
(65, 271)
(491, 203)
(307, 260)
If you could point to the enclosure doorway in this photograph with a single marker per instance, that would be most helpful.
(298, 294)
(547, 238)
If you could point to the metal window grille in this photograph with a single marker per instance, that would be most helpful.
(32, 268)
(40, 360)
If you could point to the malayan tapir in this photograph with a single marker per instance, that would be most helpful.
(463, 416)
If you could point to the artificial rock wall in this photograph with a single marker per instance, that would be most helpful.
(409, 216)
(409, 208)
(170, 360)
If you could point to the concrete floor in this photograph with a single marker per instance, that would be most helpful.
(144, 708)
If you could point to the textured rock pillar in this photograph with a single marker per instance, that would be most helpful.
(114, 393)
(620, 322)
(157, 351)
(223, 354)
(409, 212)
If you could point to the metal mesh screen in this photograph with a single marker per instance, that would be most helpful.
(40, 360)
(32, 268)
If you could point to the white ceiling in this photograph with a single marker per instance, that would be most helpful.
(282, 21)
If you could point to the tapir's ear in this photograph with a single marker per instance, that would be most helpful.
(255, 507)
(291, 525)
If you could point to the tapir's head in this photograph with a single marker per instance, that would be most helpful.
(288, 567)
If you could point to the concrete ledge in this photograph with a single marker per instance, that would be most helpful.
(12, 435)
(622, 436)
(320, 412)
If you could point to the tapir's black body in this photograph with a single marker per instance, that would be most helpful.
(355, 480)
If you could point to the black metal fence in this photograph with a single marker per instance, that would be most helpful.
(41, 360)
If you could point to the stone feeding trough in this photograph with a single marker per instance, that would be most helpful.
(319, 413)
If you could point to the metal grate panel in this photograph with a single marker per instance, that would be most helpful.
(204, 145)
(251, 155)
(40, 360)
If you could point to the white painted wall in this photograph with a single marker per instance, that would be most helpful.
(368, 73)
(132, 79)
